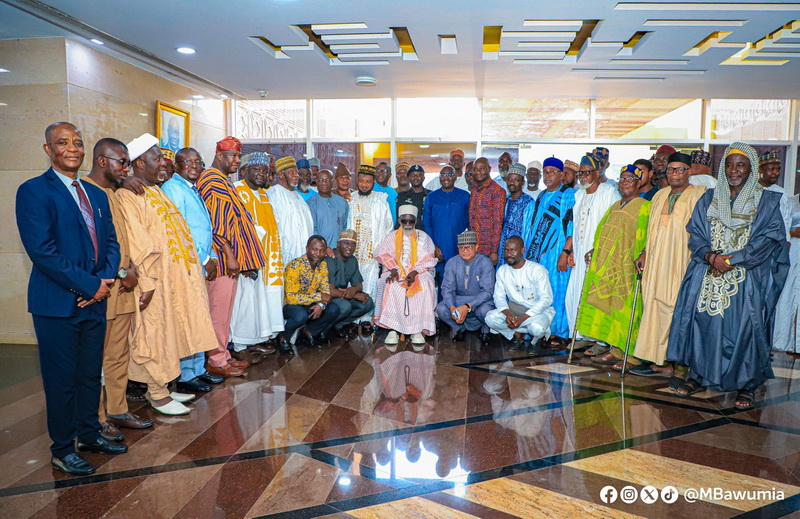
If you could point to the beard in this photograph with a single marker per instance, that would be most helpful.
(365, 193)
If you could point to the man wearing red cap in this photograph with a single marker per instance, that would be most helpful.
(457, 163)
(236, 244)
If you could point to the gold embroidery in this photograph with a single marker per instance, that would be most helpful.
(179, 238)
(716, 292)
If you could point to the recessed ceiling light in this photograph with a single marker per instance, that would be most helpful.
(365, 81)
(143, 114)
(98, 42)
(424, 145)
(3, 70)
(186, 50)
(197, 96)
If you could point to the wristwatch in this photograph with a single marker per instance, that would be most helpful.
(322, 305)
(122, 273)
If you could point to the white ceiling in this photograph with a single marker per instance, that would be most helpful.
(228, 58)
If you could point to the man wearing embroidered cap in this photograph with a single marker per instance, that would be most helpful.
(416, 194)
(516, 203)
(664, 262)
(257, 315)
(570, 176)
(546, 225)
(591, 202)
(304, 179)
(370, 219)
(457, 163)
(602, 154)
(347, 285)
(173, 318)
(409, 298)
(724, 317)
(532, 177)
(295, 223)
(700, 174)
(401, 174)
(769, 172)
(467, 290)
(236, 244)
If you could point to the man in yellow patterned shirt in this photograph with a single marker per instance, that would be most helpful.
(308, 296)
(172, 320)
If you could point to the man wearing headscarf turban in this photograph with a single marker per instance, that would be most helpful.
(724, 317)
(236, 244)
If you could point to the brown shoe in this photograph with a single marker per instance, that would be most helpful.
(226, 371)
(262, 349)
(246, 356)
(242, 364)
(111, 433)
(131, 421)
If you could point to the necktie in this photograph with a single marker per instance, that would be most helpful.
(88, 217)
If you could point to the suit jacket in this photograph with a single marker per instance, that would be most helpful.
(57, 240)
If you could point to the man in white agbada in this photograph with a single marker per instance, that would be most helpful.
(295, 222)
(409, 297)
(523, 298)
(371, 219)
(591, 203)
(257, 310)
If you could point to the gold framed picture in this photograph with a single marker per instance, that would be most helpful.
(172, 126)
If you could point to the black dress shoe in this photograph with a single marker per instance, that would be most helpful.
(459, 336)
(515, 344)
(194, 386)
(103, 446)
(323, 338)
(284, 346)
(211, 379)
(73, 465)
(485, 337)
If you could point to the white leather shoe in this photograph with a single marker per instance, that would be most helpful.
(418, 338)
(392, 339)
(174, 408)
(181, 397)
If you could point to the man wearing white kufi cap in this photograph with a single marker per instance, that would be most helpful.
(172, 320)
(532, 177)
(409, 296)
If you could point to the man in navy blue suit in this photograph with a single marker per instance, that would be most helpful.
(67, 230)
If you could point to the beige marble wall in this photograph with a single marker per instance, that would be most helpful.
(54, 79)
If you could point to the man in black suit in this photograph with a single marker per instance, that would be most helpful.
(67, 230)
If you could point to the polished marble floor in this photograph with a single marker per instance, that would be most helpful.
(457, 430)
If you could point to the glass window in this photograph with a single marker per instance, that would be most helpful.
(443, 119)
(351, 154)
(432, 156)
(277, 150)
(505, 119)
(270, 119)
(657, 119)
(352, 118)
(749, 119)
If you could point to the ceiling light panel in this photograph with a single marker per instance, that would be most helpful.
(694, 23)
(337, 26)
(448, 44)
(706, 6)
(553, 23)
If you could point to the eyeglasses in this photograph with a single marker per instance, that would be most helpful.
(195, 162)
(585, 173)
(124, 163)
(677, 170)
(628, 180)
(447, 174)
(408, 220)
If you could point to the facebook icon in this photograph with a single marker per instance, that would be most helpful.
(608, 494)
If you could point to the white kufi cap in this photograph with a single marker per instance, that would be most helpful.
(139, 146)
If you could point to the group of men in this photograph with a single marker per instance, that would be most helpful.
(163, 272)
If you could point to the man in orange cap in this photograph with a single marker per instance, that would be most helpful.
(236, 244)
(457, 163)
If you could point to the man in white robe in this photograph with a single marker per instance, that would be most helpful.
(295, 223)
(523, 299)
(591, 203)
(370, 218)
(409, 296)
(257, 310)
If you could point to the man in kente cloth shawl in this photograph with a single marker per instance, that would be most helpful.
(546, 224)
(369, 216)
(664, 262)
(295, 223)
(591, 203)
(724, 317)
(257, 310)
(608, 291)
(172, 320)
(409, 299)
(517, 201)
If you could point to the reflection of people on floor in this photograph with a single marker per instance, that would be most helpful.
(407, 378)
